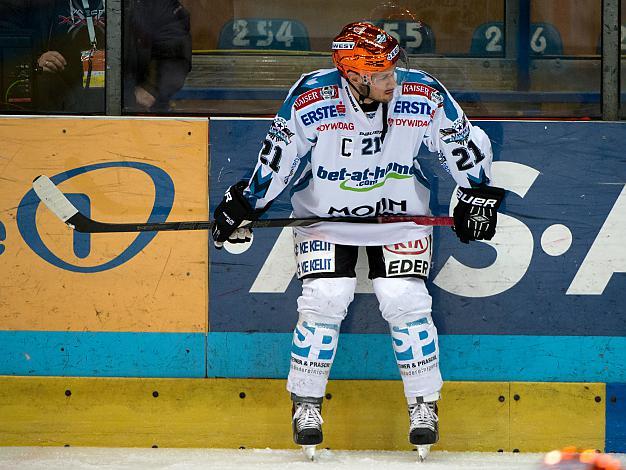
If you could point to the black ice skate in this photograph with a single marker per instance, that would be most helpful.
(424, 426)
(306, 420)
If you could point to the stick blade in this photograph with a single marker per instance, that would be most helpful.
(53, 198)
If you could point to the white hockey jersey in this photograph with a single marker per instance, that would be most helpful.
(365, 164)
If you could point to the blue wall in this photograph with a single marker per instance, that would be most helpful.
(548, 310)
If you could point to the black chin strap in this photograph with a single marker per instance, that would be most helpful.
(362, 97)
(385, 123)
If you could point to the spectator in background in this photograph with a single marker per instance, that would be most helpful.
(157, 53)
(68, 45)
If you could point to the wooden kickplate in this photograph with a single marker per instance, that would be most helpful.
(256, 413)
(554, 415)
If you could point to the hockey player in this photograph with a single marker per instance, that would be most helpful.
(356, 130)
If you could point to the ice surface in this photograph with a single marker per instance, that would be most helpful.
(81, 458)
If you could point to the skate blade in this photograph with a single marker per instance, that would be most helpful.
(422, 452)
(309, 452)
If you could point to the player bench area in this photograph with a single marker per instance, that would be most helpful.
(257, 82)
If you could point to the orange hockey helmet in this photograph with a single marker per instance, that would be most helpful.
(364, 48)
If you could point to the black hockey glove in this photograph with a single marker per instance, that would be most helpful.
(231, 216)
(476, 214)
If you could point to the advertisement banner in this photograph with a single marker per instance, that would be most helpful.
(555, 266)
(113, 170)
(543, 300)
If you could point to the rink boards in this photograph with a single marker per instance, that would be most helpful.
(359, 414)
(538, 314)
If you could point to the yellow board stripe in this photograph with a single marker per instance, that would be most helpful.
(256, 413)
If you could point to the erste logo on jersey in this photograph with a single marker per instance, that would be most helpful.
(408, 107)
(322, 113)
(315, 95)
(412, 107)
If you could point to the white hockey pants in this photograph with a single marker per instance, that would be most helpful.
(404, 303)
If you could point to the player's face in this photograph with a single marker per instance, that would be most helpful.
(382, 85)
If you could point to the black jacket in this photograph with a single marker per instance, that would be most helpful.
(157, 49)
(54, 92)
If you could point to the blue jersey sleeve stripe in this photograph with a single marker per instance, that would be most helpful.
(448, 106)
(302, 87)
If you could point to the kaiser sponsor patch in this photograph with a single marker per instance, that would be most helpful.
(315, 95)
(413, 88)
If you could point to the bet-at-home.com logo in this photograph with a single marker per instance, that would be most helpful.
(367, 179)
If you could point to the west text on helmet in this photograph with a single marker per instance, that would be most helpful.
(343, 45)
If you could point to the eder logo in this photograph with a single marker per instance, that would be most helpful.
(27, 212)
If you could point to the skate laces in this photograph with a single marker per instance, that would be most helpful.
(307, 415)
(423, 415)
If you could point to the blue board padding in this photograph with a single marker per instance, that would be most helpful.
(102, 354)
(463, 357)
(266, 355)
(616, 417)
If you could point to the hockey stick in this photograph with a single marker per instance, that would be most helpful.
(60, 205)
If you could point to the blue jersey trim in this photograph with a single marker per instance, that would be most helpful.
(427, 79)
(306, 83)
(303, 183)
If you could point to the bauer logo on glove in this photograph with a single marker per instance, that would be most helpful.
(476, 214)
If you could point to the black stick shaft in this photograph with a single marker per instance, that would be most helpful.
(83, 224)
